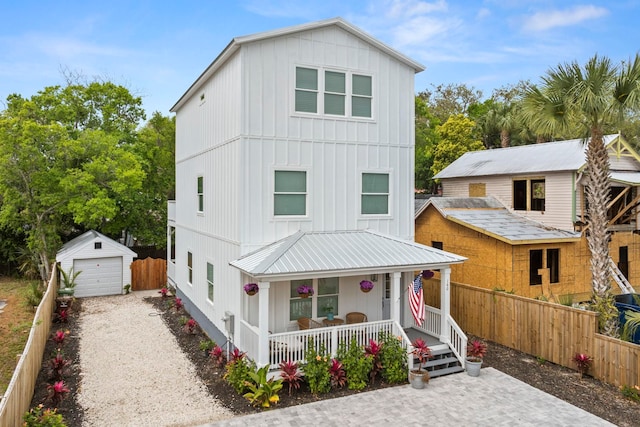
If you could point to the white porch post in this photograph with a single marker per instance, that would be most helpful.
(395, 296)
(445, 304)
(263, 323)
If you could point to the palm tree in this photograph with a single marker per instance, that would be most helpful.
(596, 97)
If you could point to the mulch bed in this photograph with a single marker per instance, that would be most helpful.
(587, 393)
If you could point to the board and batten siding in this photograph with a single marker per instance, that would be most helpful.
(559, 195)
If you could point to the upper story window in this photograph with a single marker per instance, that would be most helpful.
(200, 194)
(529, 194)
(375, 194)
(343, 93)
(290, 193)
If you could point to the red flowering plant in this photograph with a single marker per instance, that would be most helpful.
(290, 375)
(57, 391)
(178, 304)
(218, 357)
(190, 326)
(476, 351)
(583, 363)
(59, 337)
(421, 351)
(164, 292)
(373, 350)
(58, 366)
(337, 374)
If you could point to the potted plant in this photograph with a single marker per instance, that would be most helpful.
(251, 288)
(328, 311)
(305, 291)
(418, 377)
(475, 352)
(366, 286)
(68, 282)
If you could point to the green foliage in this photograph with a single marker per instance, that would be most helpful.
(33, 294)
(316, 369)
(629, 392)
(206, 345)
(39, 417)
(237, 373)
(357, 365)
(631, 325)
(456, 138)
(262, 391)
(69, 277)
(607, 312)
(183, 320)
(541, 360)
(566, 300)
(394, 359)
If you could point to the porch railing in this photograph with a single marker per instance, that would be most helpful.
(292, 346)
(249, 335)
(432, 323)
(455, 338)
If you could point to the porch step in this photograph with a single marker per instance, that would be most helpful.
(442, 362)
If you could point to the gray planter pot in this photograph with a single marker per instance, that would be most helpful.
(473, 368)
(418, 379)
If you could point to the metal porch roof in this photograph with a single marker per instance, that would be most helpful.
(488, 216)
(340, 252)
(629, 178)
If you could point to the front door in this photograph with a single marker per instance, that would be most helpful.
(386, 297)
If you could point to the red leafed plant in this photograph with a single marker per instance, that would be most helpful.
(164, 292)
(422, 351)
(63, 315)
(58, 366)
(59, 336)
(290, 375)
(583, 363)
(178, 304)
(476, 350)
(337, 374)
(57, 391)
(236, 355)
(373, 349)
(218, 357)
(190, 326)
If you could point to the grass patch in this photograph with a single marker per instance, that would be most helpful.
(15, 325)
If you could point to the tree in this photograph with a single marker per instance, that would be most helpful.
(426, 140)
(449, 100)
(457, 136)
(596, 96)
(67, 163)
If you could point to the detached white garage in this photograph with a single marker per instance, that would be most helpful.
(105, 264)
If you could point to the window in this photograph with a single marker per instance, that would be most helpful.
(437, 245)
(290, 195)
(362, 96)
(535, 263)
(328, 296)
(299, 307)
(97, 245)
(189, 268)
(334, 93)
(553, 264)
(306, 90)
(343, 93)
(210, 282)
(200, 194)
(375, 194)
(172, 242)
(529, 195)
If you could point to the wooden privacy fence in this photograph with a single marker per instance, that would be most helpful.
(148, 273)
(551, 331)
(18, 396)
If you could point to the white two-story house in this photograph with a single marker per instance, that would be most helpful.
(294, 166)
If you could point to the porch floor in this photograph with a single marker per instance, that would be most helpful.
(433, 342)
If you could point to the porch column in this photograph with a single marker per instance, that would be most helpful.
(445, 304)
(263, 323)
(396, 294)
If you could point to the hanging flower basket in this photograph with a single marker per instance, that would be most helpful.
(305, 291)
(251, 288)
(366, 286)
(427, 274)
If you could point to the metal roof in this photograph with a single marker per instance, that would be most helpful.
(547, 157)
(311, 254)
(86, 238)
(488, 216)
(630, 178)
(235, 44)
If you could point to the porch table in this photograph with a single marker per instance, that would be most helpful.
(335, 322)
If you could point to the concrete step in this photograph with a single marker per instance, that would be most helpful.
(445, 371)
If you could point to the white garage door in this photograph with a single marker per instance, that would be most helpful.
(100, 276)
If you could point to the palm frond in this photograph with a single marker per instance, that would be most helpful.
(631, 325)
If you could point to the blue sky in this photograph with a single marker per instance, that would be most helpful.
(158, 48)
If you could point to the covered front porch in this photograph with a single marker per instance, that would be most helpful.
(334, 264)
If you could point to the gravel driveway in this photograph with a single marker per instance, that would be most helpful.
(133, 371)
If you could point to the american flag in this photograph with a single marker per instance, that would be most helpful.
(416, 299)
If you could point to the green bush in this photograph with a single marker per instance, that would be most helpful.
(316, 369)
(357, 365)
(237, 373)
(262, 391)
(37, 417)
(394, 359)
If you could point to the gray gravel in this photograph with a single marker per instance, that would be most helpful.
(133, 371)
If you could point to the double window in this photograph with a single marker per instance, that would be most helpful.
(333, 92)
(536, 260)
(375, 194)
(290, 193)
(529, 194)
(325, 298)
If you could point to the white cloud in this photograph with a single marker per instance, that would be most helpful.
(542, 21)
